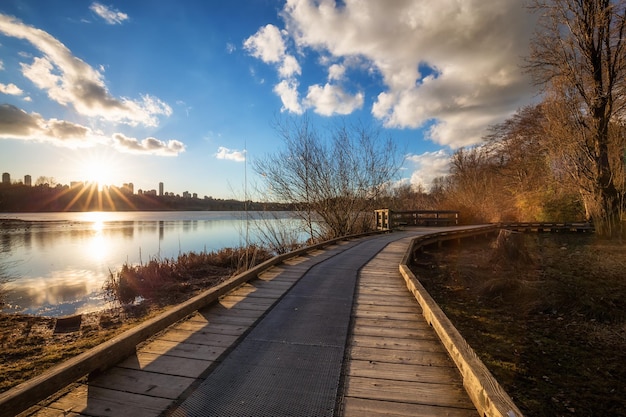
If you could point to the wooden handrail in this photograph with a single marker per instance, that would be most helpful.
(387, 219)
(488, 396)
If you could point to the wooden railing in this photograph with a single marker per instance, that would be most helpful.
(388, 219)
(580, 227)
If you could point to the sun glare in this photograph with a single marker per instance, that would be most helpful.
(97, 168)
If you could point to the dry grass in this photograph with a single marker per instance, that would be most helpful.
(552, 330)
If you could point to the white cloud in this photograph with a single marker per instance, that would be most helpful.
(453, 62)
(10, 89)
(288, 93)
(331, 99)
(150, 146)
(1, 65)
(336, 72)
(428, 166)
(70, 81)
(267, 45)
(230, 154)
(15, 123)
(110, 15)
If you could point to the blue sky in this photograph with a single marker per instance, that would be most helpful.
(182, 92)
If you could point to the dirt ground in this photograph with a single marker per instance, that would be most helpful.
(550, 324)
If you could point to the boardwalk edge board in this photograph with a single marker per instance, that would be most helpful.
(485, 392)
(27, 394)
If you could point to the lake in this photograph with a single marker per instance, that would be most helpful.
(55, 264)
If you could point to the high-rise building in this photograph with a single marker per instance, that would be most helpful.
(160, 189)
(28, 180)
(6, 178)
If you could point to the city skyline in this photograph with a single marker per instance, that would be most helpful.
(191, 91)
(7, 179)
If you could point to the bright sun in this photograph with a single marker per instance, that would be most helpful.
(97, 168)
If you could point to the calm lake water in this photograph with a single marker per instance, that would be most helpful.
(55, 264)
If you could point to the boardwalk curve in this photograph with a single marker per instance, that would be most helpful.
(329, 332)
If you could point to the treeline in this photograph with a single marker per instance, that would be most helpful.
(43, 198)
(517, 174)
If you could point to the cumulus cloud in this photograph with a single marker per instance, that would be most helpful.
(336, 72)
(70, 81)
(10, 89)
(455, 64)
(287, 90)
(15, 123)
(230, 154)
(150, 145)
(109, 14)
(331, 99)
(428, 166)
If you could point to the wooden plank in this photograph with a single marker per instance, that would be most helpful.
(370, 325)
(245, 302)
(406, 307)
(375, 299)
(197, 324)
(382, 291)
(432, 344)
(391, 332)
(104, 402)
(440, 395)
(39, 411)
(199, 337)
(404, 372)
(386, 314)
(182, 350)
(409, 357)
(171, 365)
(142, 382)
(358, 407)
(234, 319)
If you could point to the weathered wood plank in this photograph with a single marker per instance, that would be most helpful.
(428, 343)
(403, 372)
(386, 314)
(195, 324)
(171, 365)
(234, 319)
(406, 307)
(104, 402)
(409, 357)
(390, 332)
(441, 395)
(358, 407)
(365, 323)
(142, 382)
(199, 337)
(182, 350)
(245, 302)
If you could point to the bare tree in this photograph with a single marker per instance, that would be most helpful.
(332, 178)
(578, 56)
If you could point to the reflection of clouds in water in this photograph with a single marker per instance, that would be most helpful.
(59, 291)
(58, 267)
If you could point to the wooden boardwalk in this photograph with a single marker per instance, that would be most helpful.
(395, 365)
